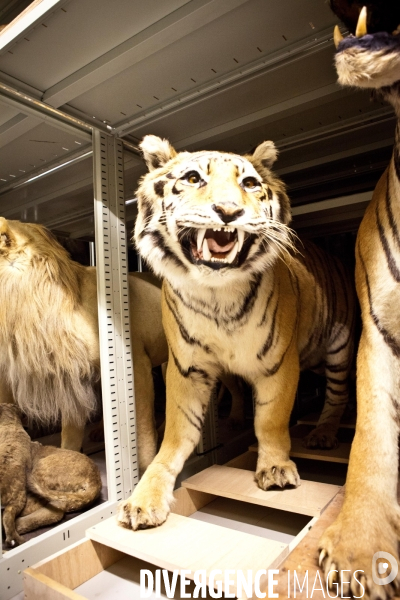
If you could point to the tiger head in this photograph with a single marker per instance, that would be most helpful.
(371, 57)
(213, 216)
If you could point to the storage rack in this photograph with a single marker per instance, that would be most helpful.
(283, 88)
(116, 359)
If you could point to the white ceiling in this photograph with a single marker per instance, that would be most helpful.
(220, 74)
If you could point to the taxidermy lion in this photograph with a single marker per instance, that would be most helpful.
(369, 521)
(237, 298)
(49, 345)
(39, 483)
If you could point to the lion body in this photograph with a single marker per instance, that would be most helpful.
(238, 297)
(49, 344)
(39, 483)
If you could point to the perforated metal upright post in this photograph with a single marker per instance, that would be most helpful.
(113, 306)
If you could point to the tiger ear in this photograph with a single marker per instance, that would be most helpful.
(264, 155)
(6, 237)
(156, 151)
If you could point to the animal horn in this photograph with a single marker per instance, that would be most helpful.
(361, 28)
(337, 36)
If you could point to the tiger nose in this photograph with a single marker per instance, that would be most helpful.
(228, 211)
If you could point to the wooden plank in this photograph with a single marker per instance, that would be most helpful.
(310, 498)
(80, 562)
(338, 455)
(304, 558)
(298, 432)
(247, 461)
(347, 422)
(188, 502)
(184, 543)
(41, 587)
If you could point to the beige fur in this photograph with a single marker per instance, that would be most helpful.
(39, 483)
(261, 313)
(356, 68)
(49, 347)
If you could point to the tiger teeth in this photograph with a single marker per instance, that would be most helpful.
(240, 234)
(227, 229)
(200, 237)
(206, 251)
(232, 254)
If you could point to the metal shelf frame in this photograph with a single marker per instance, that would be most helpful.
(113, 304)
(115, 352)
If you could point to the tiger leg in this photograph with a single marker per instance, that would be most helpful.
(370, 517)
(144, 401)
(336, 398)
(338, 363)
(188, 395)
(274, 399)
(236, 416)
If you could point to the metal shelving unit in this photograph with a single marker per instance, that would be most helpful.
(113, 300)
(116, 359)
(86, 79)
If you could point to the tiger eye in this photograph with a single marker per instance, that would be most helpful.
(250, 183)
(192, 177)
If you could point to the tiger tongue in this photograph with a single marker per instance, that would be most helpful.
(220, 241)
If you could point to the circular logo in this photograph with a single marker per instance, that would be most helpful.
(379, 568)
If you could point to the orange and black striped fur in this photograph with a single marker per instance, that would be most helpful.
(237, 298)
(369, 521)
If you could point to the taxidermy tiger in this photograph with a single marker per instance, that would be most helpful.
(49, 346)
(236, 299)
(370, 517)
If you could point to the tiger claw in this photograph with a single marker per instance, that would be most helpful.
(332, 575)
(322, 556)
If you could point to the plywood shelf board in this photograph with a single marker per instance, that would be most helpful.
(338, 455)
(55, 578)
(304, 558)
(310, 498)
(297, 434)
(301, 431)
(347, 422)
(196, 545)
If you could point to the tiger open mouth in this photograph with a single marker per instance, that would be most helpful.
(217, 247)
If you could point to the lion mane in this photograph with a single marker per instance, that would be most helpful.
(45, 356)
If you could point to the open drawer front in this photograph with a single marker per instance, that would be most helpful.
(182, 543)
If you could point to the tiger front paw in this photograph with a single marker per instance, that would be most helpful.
(279, 474)
(148, 506)
(348, 557)
(321, 437)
